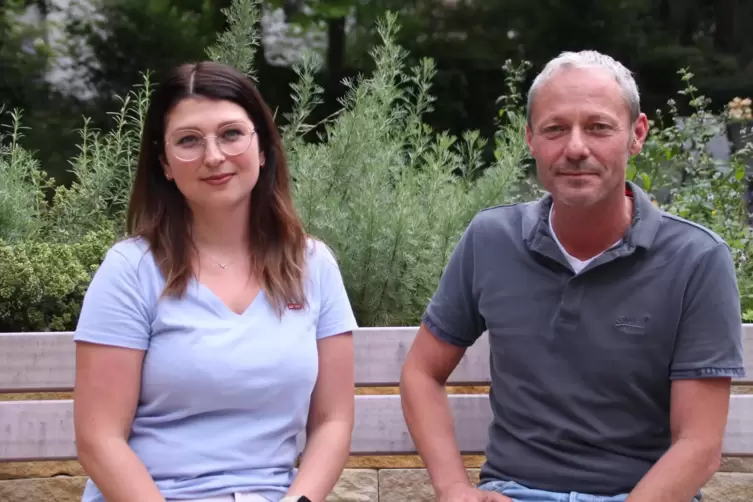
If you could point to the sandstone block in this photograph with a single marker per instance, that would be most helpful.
(59, 489)
(729, 487)
(737, 464)
(356, 485)
(401, 485)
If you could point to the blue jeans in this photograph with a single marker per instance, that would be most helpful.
(520, 493)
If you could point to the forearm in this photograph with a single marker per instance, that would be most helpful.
(323, 459)
(679, 474)
(117, 471)
(427, 414)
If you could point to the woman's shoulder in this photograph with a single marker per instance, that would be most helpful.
(131, 247)
(130, 255)
(319, 254)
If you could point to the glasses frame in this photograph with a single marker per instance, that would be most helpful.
(206, 137)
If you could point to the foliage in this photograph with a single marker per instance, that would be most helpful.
(43, 283)
(677, 168)
(237, 45)
(24, 57)
(20, 186)
(389, 194)
(110, 43)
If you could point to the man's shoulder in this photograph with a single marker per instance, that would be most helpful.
(501, 217)
(678, 233)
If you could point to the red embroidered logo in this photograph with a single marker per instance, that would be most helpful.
(294, 306)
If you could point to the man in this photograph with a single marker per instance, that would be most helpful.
(614, 327)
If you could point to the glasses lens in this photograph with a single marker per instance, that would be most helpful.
(186, 145)
(234, 139)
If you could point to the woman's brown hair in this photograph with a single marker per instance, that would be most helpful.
(159, 214)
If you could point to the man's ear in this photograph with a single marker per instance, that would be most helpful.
(639, 133)
(529, 138)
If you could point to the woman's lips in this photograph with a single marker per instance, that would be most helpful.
(218, 179)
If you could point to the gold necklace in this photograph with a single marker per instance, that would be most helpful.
(219, 263)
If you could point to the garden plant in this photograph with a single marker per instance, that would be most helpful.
(387, 193)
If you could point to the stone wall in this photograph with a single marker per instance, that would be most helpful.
(64, 481)
(366, 479)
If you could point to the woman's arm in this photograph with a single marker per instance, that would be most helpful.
(330, 422)
(108, 380)
(112, 336)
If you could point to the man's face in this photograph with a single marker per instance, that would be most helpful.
(581, 136)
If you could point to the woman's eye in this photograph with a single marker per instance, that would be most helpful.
(188, 140)
(232, 134)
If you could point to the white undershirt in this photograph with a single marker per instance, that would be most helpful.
(575, 263)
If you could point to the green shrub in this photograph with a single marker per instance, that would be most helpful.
(387, 193)
(42, 283)
(676, 166)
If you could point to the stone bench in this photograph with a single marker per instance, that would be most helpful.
(36, 422)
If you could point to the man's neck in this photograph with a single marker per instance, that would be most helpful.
(586, 232)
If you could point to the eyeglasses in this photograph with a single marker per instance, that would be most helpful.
(188, 144)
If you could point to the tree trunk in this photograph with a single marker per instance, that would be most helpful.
(335, 54)
(725, 17)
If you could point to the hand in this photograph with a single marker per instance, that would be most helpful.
(467, 493)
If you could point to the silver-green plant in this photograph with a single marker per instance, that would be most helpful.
(390, 195)
(22, 185)
(387, 193)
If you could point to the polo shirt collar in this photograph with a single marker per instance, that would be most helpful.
(641, 233)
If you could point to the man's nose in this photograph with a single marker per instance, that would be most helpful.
(576, 147)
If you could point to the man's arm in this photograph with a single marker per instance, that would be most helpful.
(452, 323)
(429, 363)
(698, 419)
(708, 353)
(427, 410)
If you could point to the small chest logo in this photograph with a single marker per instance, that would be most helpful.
(633, 324)
(637, 321)
(294, 306)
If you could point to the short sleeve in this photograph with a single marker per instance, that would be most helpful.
(709, 341)
(114, 310)
(335, 313)
(452, 314)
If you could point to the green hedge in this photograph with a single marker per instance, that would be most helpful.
(387, 193)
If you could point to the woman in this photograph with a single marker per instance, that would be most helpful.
(218, 332)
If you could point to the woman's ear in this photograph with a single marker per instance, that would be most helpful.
(166, 167)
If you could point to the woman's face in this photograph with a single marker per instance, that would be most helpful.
(212, 152)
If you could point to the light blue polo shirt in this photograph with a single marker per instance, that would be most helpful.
(223, 396)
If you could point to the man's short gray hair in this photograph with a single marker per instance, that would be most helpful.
(590, 59)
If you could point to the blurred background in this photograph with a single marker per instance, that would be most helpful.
(62, 60)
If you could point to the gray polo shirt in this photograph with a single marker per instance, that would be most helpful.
(581, 364)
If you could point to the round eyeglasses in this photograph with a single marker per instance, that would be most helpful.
(189, 145)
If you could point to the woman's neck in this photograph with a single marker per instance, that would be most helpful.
(222, 232)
